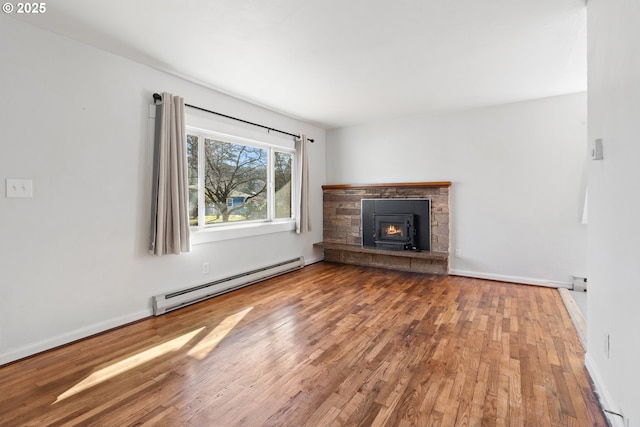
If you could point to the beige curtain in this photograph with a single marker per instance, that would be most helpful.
(170, 198)
(303, 219)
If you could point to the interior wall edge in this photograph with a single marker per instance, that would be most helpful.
(510, 279)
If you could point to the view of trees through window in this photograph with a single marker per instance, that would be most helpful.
(235, 182)
(192, 170)
(282, 181)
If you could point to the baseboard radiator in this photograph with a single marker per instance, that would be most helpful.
(178, 299)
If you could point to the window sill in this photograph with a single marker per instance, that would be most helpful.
(216, 234)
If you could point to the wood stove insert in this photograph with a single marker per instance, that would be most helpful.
(396, 224)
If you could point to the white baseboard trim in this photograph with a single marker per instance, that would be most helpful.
(604, 396)
(314, 260)
(85, 332)
(512, 279)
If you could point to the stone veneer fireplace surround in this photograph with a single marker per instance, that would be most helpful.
(342, 231)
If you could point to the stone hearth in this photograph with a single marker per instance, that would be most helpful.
(342, 231)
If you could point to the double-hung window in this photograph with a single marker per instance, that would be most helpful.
(237, 182)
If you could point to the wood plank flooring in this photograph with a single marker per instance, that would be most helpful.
(329, 345)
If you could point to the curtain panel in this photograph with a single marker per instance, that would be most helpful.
(303, 219)
(170, 194)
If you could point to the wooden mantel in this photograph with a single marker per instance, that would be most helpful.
(395, 185)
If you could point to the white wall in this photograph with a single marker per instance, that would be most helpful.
(518, 181)
(614, 203)
(73, 258)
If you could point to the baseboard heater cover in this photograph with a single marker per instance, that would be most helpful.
(178, 299)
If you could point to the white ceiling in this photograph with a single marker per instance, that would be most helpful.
(340, 62)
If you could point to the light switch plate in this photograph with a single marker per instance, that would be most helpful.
(597, 152)
(19, 187)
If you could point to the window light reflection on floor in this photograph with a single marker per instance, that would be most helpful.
(129, 363)
(199, 351)
(213, 338)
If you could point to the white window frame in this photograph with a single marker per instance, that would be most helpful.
(234, 230)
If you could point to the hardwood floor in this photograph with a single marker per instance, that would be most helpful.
(329, 345)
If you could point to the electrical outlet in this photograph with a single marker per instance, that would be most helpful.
(19, 187)
(205, 268)
(607, 344)
(458, 253)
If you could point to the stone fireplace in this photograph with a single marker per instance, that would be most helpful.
(346, 238)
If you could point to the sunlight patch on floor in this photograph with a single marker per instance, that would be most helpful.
(213, 338)
(129, 363)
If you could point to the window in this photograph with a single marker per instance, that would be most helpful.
(235, 181)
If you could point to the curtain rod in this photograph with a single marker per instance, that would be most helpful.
(158, 97)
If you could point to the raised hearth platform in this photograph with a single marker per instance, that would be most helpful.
(342, 229)
(419, 262)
